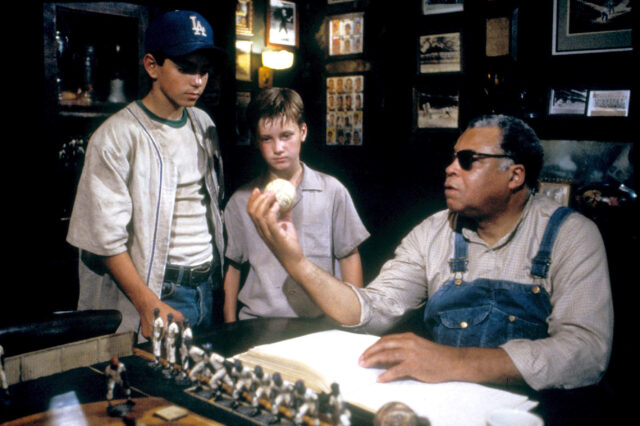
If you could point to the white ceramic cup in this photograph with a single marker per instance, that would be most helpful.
(513, 417)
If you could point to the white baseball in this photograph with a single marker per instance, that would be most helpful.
(285, 193)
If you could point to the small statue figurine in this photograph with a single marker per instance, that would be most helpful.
(244, 379)
(338, 411)
(156, 337)
(116, 373)
(186, 340)
(221, 374)
(262, 385)
(200, 357)
(185, 344)
(306, 401)
(3, 376)
(170, 344)
(282, 394)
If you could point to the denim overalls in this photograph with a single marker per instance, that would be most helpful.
(488, 312)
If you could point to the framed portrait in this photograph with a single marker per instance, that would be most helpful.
(244, 17)
(243, 60)
(568, 101)
(558, 191)
(345, 110)
(436, 108)
(282, 24)
(590, 27)
(608, 103)
(439, 53)
(430, 7)
(346, 34)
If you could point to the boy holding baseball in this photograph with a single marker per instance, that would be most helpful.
(328, 225)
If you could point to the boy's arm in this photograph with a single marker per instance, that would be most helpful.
(351, 268)
(231, 288)
(144, 300)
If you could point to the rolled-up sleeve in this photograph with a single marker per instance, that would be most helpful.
(400, 287)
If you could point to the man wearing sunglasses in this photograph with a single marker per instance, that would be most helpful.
(513, 287)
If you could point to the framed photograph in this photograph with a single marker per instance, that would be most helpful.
(498, 36)
(345, 110)
(346, 34)
(558, 191)
(590, 27)
(439, 53)
(608, 103)
(568, 102)
(430, 7)
(282, 24)
(436, 108)
(244, 17)
(243, 134)
(243, 60)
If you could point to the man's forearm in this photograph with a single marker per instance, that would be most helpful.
(487, 365)
(333, 297)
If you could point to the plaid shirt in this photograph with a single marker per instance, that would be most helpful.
(581, 322)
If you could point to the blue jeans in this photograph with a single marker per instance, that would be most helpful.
(196, 304)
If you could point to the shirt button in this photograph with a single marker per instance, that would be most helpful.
(464, 324)
(535, 289)
(458, 282)
(512, 318)
(292, 292)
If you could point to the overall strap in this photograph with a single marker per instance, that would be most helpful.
(540, 265)
(459, 261)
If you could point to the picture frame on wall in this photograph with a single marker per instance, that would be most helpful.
(568, 101)
(282, 24)
(557, 191)
(244, 17)
(439, 53)
(591, 27)
(436, 107)
(608, 103)
(346, 34)
(345, 110)
(243, 60)
(431, 7)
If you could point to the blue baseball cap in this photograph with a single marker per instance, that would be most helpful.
(178, 33)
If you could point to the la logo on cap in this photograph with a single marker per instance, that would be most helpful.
(197, 27)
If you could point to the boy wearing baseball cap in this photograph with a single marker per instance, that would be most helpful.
(146, 216)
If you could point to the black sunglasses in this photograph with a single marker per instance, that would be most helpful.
(466, 157)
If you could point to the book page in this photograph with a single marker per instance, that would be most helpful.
(333, 355)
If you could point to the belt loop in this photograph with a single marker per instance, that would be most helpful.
(180, 275)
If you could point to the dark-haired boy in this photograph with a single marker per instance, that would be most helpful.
(146, 215)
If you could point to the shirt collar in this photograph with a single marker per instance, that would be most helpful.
(473, 236)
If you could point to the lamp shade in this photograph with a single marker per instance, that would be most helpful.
(277, 59)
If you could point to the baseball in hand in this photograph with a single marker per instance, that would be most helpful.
(285, 193)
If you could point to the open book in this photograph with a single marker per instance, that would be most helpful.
(322, 358)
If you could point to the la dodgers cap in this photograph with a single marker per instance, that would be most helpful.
(179, 33)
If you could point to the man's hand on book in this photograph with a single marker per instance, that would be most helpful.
(407, 355)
